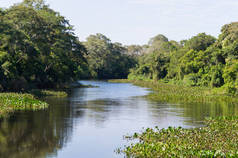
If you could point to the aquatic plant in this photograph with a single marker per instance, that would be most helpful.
(10, 102)
(219, 138)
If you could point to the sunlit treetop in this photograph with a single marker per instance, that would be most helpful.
(229, 34)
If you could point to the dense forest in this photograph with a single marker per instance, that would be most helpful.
(38, 49)
(202, 60)
(107, 60)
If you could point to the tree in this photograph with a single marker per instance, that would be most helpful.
(229, 35)
(200, 42)
(107, 60)
(42, 48)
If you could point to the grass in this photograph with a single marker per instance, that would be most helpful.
(10, 102)
(171, 93)
(218, 139)
(120, 81)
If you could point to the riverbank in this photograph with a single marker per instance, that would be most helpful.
(218, 139)
(45, 93)
(10, 102)
(171, 93)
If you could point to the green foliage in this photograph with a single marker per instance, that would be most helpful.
(10, 102)
(229, 35)
(216, 139)
(107, 60)
(171, 93)
(154, 62)
(199, 61)
(231, 76)
(38, 48)
(200, 42)
(134, 50)
(188, 64)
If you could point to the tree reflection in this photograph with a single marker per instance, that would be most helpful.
(36, 134)
(194, 113)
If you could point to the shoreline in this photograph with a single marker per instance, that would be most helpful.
(171, 93)
(216, 139)
(30, 101)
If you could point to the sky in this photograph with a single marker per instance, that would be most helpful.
(136, 21)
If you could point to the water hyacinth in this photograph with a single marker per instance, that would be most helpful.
(219, 138)
(10, 102)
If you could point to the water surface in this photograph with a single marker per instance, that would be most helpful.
(92, 121)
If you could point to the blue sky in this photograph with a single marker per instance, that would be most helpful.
(136, 21)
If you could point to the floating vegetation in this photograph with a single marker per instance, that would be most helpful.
(44, 93)
(10, 102)
(219, 138)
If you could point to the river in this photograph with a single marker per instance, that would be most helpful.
(91, 122)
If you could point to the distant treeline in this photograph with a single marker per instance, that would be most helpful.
(202, 60)
(38, 49)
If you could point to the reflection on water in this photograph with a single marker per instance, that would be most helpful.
(92, 121)
(32, 135)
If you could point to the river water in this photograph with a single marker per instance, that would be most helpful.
(91, 122)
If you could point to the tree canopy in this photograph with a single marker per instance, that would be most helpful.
(107, 60)
(38, 48)
(202, 60)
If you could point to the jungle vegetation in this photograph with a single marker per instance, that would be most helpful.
(41, 55)
(201, 61)
(107, 60)
(39, 50)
